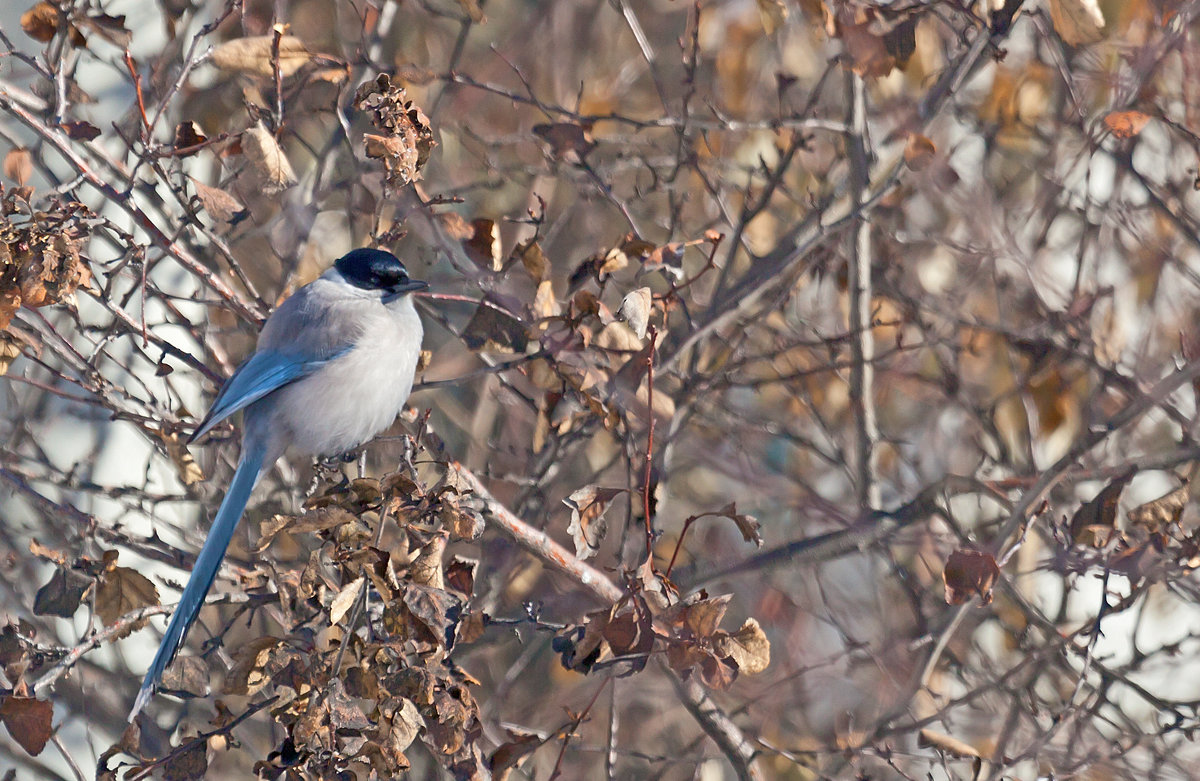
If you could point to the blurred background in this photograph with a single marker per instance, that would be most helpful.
(818, 292)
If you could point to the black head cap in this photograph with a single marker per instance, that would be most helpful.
(375, 269)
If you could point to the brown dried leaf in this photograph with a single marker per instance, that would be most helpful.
(40, 22)
(406, 140)
(62, 594)
(566, 138)
(545, 303)
(249, 673)
(483, 247)
(253, 56)
(918, 152)
(1077, 21)
(704, 617)
(10, 344)
(187, 675)
(28, 721)
(491, 330)
(426, 568)
(188, 135)
(533, 259)
(718, 673)
(188, 763)
(433, 610)
(463, 523)
(748, 525)
(773, 13)
(268, 163)
(512, 754)
(1126, 124)
(968, 573)
(344, 599)
(748, 646)
(185, 464)
(460, 575)
(588, 527)
(44, 552)
(219, 204)
(1164, 511)
(80, 130)
(864, 42)
(1094, 521)
(120, 590)
(18, 165)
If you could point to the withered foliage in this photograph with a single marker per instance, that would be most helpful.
(406, 139)
(804, 385)
(40, 242)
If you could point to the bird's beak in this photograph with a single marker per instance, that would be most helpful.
(399, 290)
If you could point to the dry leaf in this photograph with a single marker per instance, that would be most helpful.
(121, 590)
(545, 303)
(253, 56)
(406, 140)
(483, 246)
(28, 721)
(566, 138)
(344, 600)
(748, 525)
(249, 673)
(491, 330)
(635, 308)
(187, 135)
(219, 204)
(80, 131)
(773, 13)
(426, 569)
(1094, 522)
(533, 259)
(748, 646)
(269, 164)
(187, 675)
(1126, 124)
(1164, 511)
(18, 165)
(968, 573)
(588, 527)
(40, 22)
(185, 464)
(10, 343)
(1077, 22)
(918, 152)
(63, 593)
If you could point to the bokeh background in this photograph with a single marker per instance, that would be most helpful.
(894, 279)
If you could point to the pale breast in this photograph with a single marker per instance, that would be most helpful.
(357, 395)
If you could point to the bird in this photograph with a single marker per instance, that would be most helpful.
(333, 367)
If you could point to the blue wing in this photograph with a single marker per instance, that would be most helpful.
(264, 372)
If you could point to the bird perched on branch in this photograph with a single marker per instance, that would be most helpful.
(333, 367)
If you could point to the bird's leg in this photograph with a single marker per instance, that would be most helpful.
(326, 467)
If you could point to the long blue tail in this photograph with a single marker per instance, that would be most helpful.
(207, 563)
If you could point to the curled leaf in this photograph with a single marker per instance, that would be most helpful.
(588, 527)
(268, 163)
(635, 308)
(968, 573)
